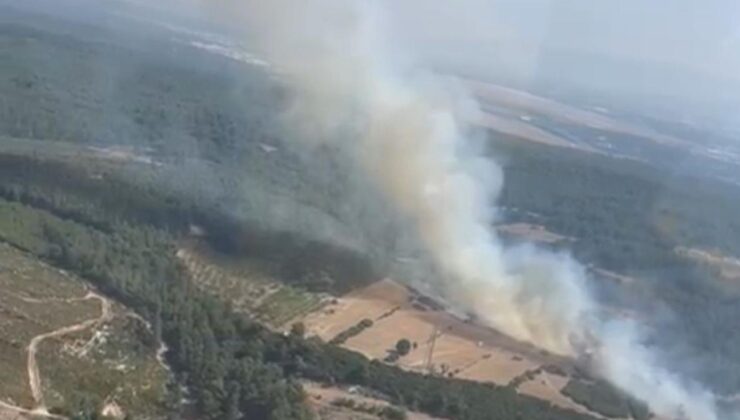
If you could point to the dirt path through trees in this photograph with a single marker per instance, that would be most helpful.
(34, 376)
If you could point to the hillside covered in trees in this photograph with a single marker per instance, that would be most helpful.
(628, 217)
(197, 130)
(234, 368)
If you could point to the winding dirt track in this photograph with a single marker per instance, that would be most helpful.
(12, 412)
(34, 377)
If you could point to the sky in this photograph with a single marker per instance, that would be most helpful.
(700, 33)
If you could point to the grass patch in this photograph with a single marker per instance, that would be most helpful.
(601, 397)
(286, 304)
(249, 287)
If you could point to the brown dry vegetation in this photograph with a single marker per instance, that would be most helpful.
(460, 348)
(442, 343)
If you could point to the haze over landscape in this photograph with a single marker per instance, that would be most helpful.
(388, 209)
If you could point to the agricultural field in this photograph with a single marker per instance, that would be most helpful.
(62, 346)
(441, 343)
(249, 286)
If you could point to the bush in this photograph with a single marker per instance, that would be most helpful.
(351, 332)
(403, 347)
(298, 329)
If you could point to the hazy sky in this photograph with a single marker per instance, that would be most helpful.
(700, 33)
(675, 50)
(681, 48)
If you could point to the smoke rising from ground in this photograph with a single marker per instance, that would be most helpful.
(405, 130)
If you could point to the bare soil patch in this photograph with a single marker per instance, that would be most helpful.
(727, 267)
(441, 342)
(532, 233)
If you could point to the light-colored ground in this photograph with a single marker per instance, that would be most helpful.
(728, 267)
(11, 412)
(510, 98)
(612, 276)
(532, 233)
(441, 343)
(368, 303)
(34, 377)
(321, 398)
(463, 349)
(524, 130)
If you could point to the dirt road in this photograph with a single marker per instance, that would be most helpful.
(12, 412)
(34, 377)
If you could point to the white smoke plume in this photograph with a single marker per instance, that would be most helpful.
(406, 130)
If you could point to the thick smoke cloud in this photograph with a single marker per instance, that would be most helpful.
(404, 129)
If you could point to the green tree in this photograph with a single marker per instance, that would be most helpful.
(403, 347)
(298, 330)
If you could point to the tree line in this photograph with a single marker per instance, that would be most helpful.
(233, 367)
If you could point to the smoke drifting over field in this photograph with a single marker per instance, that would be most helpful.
(405, 130)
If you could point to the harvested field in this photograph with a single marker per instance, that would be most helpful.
(371, 303)
(523, 130)
(457, 347)
(442, 343)
(489, 93)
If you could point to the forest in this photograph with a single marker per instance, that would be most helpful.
(629, 217)
(233, 367)
(72, 85)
